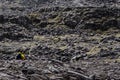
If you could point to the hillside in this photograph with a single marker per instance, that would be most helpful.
(61, 39)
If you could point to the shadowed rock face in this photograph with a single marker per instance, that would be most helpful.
(40, 16)
(95, 3)
(65, 3)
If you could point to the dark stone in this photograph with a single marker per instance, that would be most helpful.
(70, 23)
(117, 39)
(1, 18)
(111, 23)
(106, 53)
(92, 26)
(28, 71)
(43, 24)
(22, 21)
(67, 9)
(106, 39)
(53, 15)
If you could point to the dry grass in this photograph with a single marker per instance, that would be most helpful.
(117, 35)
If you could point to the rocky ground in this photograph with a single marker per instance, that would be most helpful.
(80, 41)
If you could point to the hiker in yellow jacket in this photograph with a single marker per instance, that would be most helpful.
(20, 56)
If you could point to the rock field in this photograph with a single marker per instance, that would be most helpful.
(61, 39)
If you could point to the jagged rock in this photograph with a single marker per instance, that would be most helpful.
(105, 53)
(43, 24)
(36, 77)
(99, 19)
(71, 29)
(71, 23)
(4, 76)
(106, 39)
(1, 18)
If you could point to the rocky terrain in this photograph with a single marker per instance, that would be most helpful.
(61, 39)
